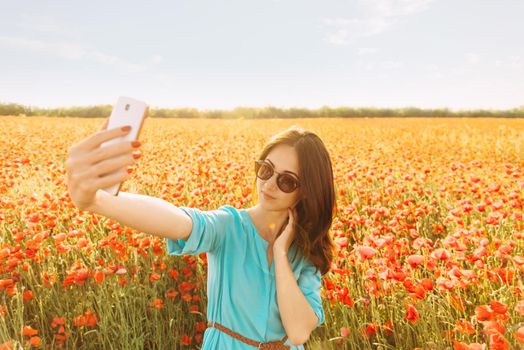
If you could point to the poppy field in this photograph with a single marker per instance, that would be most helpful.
(429, 230)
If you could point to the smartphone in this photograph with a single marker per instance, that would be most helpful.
(126, 111)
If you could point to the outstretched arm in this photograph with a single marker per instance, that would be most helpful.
(147, 214)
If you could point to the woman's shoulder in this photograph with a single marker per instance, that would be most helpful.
(230, 209)
(239, 217)
(225, 214)
(234, 214)
(225, 208)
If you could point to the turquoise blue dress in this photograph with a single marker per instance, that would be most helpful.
(241, 289)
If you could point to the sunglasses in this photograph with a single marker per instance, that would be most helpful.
(286, 182)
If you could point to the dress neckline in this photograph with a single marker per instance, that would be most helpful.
(262, 240)
(254, 227)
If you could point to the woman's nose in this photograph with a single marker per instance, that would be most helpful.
(271, 183)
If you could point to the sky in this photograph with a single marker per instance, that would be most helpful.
(222, 54)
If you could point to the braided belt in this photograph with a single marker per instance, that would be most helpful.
(273, 345)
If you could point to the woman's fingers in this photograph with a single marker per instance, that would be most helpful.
(112, 178)
(110, 165)
(95, 140)
(96, 156)
(291, 215)
(104, 125)
(91, 167)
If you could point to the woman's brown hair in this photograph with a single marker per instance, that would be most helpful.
(317, 205)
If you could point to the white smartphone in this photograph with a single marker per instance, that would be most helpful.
(126, 111)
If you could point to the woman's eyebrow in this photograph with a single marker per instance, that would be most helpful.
(285, 171)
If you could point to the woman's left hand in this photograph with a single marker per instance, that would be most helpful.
(283, 242)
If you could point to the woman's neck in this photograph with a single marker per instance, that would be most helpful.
(269, 223)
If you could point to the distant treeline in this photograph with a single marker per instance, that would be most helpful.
(101, 111)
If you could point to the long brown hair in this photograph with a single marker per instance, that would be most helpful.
(317, 205)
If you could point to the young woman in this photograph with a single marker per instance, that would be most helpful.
(264, 263)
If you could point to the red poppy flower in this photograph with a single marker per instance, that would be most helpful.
(412, 314)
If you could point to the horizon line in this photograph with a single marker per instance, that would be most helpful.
(274, 106)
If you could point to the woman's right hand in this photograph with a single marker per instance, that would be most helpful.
(91, 167)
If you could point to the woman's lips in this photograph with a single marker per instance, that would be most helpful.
(266, 196)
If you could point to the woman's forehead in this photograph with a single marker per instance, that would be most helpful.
(284, 158)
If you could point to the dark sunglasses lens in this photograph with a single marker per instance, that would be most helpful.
(264, 171)
(287, 183)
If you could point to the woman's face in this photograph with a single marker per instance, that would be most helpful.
(283, 158)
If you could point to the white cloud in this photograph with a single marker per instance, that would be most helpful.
(391, 64)
(472, 58)
(344, 31)
(378, 16)
(74, 52)
(433, 71)
(39, 23)
(157, 59)
(17, 42)
(516, 62)
(380, 65)
(395, 8)
(366, 50)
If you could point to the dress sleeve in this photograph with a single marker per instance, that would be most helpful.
(207, 234)
(309, 283)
